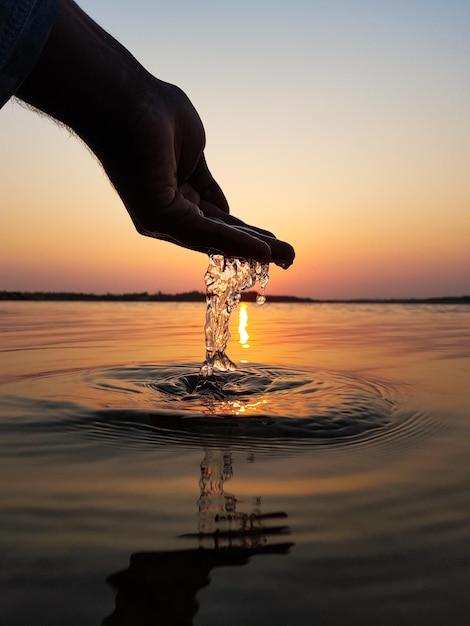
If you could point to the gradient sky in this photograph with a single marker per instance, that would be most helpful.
(340, 125)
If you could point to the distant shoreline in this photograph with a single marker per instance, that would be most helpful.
(198, 296)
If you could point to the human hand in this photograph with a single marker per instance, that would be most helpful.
(146, 134)
(168, 190)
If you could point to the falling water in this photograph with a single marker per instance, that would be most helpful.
(225, 279)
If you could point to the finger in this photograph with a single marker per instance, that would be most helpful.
(183, 223)
(210, 235)
(236, 239)
(214, 205)
(210, 210)
(203, 182)
(232, 243)
(282, 253)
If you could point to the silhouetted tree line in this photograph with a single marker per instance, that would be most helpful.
(199, 296)
(190, 296)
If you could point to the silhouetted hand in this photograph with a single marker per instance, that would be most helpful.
(148, 137)
(168, 190)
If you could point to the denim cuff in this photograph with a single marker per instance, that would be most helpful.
(24, 28)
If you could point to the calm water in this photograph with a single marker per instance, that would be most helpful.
(327, 481)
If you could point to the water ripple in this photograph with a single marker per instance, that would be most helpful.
(279, 408)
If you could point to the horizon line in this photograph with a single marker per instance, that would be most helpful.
(199, 296)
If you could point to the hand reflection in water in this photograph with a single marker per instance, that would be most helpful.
(161, 587)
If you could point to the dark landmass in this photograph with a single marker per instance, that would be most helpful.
(199, 296)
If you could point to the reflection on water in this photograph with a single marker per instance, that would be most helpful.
(162, 587)
(236, 407)
(243, 325)
(219, 520)
(353, 420)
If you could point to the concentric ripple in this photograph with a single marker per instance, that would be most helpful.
(278, 407)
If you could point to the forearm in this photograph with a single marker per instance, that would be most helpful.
(133, 122)
(85, 78)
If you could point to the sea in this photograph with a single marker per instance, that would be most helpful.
(325, 481)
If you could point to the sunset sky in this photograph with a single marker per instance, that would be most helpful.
(341, 125)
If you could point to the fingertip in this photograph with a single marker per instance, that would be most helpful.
(283, 254)
(284, 264)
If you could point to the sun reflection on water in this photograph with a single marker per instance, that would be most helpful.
(242, 325)
(236, 407)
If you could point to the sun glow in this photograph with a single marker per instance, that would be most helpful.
(242, 325)
(236, 407)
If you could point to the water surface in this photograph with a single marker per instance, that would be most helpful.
(325, 481)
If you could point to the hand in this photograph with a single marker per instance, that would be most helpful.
(148, 137)
(168, 190)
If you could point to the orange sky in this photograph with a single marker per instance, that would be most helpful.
(343, 129)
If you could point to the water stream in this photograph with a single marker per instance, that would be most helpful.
(225, 280)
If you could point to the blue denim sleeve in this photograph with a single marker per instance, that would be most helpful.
(24, 28)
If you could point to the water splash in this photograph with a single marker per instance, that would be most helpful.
(271, 408)
(225, 279)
